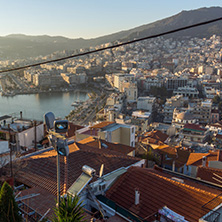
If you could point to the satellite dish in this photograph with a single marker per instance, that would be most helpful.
(49, 119)
(101, 170)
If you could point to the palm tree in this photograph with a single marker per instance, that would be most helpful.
(69, 210)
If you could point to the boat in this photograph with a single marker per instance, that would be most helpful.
(77, 103)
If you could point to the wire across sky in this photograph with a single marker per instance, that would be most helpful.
(114, 46)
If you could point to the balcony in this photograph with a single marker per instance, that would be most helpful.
(212, 210)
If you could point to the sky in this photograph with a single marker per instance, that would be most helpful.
(87, 18)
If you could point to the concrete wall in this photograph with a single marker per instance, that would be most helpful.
(26, 138)
(4, 147)
(215, 164)
(125, 136)
(116, 136)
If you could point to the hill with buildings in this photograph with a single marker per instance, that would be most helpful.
(22, 46)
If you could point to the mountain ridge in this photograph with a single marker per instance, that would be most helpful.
(22, 46)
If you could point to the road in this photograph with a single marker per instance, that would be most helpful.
(92, 115)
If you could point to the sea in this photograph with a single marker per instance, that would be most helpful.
(34, 106)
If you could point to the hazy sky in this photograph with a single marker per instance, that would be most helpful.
(87, 18)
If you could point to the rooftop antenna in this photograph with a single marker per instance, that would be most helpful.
(59, 142)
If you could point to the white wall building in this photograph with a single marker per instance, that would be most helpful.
(146, 103)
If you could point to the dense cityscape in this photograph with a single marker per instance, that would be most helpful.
(145, 146)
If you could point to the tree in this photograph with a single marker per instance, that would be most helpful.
(69, 210)
(216, 99)
(8, 207)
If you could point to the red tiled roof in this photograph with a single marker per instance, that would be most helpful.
(179, 155)
(101, 125)
(210, 174)
(195, 159)
(40, 170)
(72, 129)
(157, 189)
(157, 134)
(121, 148)
(219, 136)
(41, 202)
(194, 127)
(44, 201)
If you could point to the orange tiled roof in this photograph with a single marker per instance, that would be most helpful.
(101, 125)
(44, 201)
(121, 148)
(157, 134)
(72, 129)
(210, 174)
(196, 158)
(157, 189)
(40, 170)
(149, 140)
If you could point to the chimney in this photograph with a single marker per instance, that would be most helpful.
(204, 161)
(99, 141)
(20, 114)
(173, 166)
(137, 196)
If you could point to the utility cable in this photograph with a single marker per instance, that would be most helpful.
(114, 46)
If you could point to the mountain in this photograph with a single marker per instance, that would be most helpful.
(22, 46)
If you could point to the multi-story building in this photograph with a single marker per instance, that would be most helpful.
(202, 111)
(174, 83)
(109, 131)
(187, 91)
(194, 133)
(146, 103)
(72, 78)
(28, 75)
(131, 91)
(170, 105)
(209, 92)
(22, 133)
(141, 120)
(119, 78)
(40, 79)
(182, 118)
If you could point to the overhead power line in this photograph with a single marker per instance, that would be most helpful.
(114, 46)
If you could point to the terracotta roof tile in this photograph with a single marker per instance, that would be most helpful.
(158, 190)
(121, 148)
(46, 199)
(195, 159)
(194, 127)
(157, 134)
(210, 174)
(40, 170)
(101, 125)
(72, 129)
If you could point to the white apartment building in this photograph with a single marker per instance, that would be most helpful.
(131, 91)
(146, 103)
(209, 92)
(119, 78)
(170, 105)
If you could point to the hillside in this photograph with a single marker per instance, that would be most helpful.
(22, 46)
